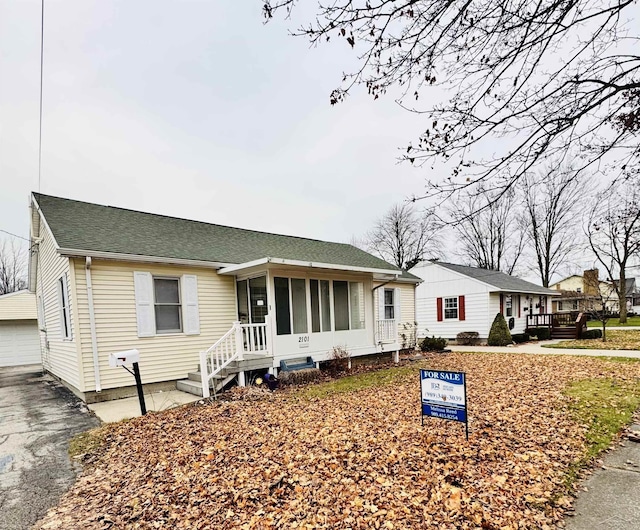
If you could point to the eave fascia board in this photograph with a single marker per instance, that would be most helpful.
(233, 269)
(518, 291)
(137, 258)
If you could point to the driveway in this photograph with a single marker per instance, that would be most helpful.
(38, 417)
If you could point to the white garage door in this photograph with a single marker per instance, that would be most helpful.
(19, 343)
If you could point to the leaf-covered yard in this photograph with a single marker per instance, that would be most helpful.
(617, 339)
(358, 459)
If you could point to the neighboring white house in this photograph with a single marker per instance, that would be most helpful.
(456, 298)
(192, 295)
(19, 339)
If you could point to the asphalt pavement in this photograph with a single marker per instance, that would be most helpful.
(38, 417)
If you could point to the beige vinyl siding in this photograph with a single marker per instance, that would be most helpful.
(59, 355)
(18, 306)
(163, 357)
(407, 304)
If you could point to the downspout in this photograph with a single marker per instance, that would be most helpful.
(92, 325)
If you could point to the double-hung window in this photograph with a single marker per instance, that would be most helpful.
(168, 309)
(451, 308)
(389, 304)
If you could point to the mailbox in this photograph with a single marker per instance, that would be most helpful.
(123, 358)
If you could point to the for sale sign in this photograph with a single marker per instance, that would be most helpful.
(444, 395)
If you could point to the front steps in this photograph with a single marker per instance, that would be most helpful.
(193, 385)
(563, 333)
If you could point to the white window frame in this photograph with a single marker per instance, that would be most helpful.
(156, 304)
(321, 306)
(392, 305)
(65, 312)
(452, 307)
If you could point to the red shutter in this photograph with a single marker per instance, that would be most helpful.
(501, 303)
(461, 314)
(439, 308)
(519, 304)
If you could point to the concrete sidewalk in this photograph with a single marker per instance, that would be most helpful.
(610, 499)
(538, 349)
(126, 408)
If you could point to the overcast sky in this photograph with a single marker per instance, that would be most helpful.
(193, 109)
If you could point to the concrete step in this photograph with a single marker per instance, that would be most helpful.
(197, 376)
(195, 386)
(192, 387)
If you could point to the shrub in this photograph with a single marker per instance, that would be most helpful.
(543, 333)
(339, 360)
(540, 333)
(299, 377)
(520, 337)
(433, 344)
(499, 335)
(592, 334)
(468, 338)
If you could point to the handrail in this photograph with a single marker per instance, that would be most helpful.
(240, 339)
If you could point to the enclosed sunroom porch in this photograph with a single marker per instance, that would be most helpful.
(289, 312)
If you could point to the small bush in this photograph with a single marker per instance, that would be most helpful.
(543, 334)
(433, 344)
(540, 333)
(499, 335)
(592, 334)
(339, 360)
(299, 377)
(468, 338)
(519, 338)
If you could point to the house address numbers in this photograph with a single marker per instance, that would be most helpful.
(303, 341)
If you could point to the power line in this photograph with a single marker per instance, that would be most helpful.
(15, 235)
(41, 83)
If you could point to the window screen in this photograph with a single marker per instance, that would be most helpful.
(341, 305)
(299, 302)
(283, 315)
(167, 305)
(356, 302)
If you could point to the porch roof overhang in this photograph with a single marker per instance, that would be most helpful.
(378, 274)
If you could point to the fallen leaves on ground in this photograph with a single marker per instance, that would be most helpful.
(617, 339)
(351, 460)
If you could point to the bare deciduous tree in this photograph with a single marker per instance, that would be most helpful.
(488, 230)
(405, 236)
(613, 232)
(13, 259)
(544, 78)
(551, 222)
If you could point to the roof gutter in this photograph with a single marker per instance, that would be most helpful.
(136, 258)
(92, 325)
(232, 269)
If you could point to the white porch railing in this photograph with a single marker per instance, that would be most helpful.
(240, 339)
(386, 330)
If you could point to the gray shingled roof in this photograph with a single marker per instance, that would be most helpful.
(499, 280)
(92, 227)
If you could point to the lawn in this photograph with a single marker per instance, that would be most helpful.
(614, 322)
(353, 453)
(617, 339)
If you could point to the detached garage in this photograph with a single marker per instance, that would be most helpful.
(19, 337)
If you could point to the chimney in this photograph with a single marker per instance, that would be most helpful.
(591, 282)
